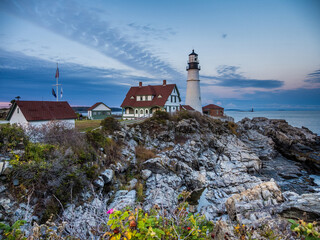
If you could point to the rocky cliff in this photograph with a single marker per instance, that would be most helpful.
(252, 172)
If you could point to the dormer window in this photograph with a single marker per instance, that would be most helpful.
(132, 97)
(160, 96)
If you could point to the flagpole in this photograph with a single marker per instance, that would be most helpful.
(57, 86)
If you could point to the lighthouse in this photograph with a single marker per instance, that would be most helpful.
(193, 97)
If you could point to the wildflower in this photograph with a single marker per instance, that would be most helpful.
(110, 211)
(189, 228)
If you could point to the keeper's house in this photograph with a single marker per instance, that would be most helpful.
(99, 111)
(143, 101)
(38, 113)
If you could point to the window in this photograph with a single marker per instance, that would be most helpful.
(132, 97)
(17, 110)
(136, 111)
(159, 96)
(141, 111)
(94, 113)
(143, 98)
(175, 99)
(147, 111)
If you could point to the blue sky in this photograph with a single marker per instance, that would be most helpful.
(261, 54)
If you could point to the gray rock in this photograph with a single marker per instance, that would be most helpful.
(146, 174)
(254, 204)
(2, 188)
(99, 182)
(15, 182)
(107, 176)
(122, 199)
(133, 183)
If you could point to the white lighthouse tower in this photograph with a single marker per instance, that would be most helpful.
(193, 97)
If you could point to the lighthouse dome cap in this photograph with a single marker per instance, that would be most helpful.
(193, 53)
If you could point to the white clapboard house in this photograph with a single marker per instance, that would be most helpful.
(37, 113)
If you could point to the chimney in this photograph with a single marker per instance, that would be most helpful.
(140, 84)
(164, 82)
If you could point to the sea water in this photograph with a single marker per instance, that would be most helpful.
(308, 119)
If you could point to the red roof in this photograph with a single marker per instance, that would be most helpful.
(187, 107)
(45, 110)
(211, 106)
(96, 105)
(159, 90)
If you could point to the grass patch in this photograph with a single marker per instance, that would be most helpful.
(86, 125)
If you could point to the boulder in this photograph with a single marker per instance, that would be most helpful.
(146, 174)
(107, 176)
(254, 204)
(122, 199)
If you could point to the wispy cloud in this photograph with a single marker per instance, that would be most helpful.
(313, 77)
(228, 76)
(86, 27)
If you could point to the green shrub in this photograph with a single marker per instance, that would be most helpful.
(110, 124)
(13, 232)
(307, 231)
(157, 224)
(160, 116)
(11, 137)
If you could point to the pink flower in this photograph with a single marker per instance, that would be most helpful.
(110, 211)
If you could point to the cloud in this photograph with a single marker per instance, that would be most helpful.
(313, 77)
(84, 25)
(228, 76)
(162, 33)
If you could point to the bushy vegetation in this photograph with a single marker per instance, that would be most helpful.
(110, 124)
(57, 165)
(11, 138)
(157, 224)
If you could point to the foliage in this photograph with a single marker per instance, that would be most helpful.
(307, 230)
(160, 116)
(13, 232)
(158, 224)
(110, 124)
(144, 154)
(232, 127)
(11, 137)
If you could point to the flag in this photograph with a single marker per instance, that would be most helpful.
(57, 72)
(54, 93)
(61, 93)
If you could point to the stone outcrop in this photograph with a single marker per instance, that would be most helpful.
(298, 144)
(255, 204)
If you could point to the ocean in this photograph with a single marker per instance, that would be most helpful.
(308, 119)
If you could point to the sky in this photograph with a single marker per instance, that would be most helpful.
(263, 54)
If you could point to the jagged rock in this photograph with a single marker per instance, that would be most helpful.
(107, 176)
(222, 230)
(162, 190)
(299, 144)
(133, 183)
(99, 182)
(254, 204)
(15, 182)
(2, 188)
(123, 198)
(296, 206)
(146, 174)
